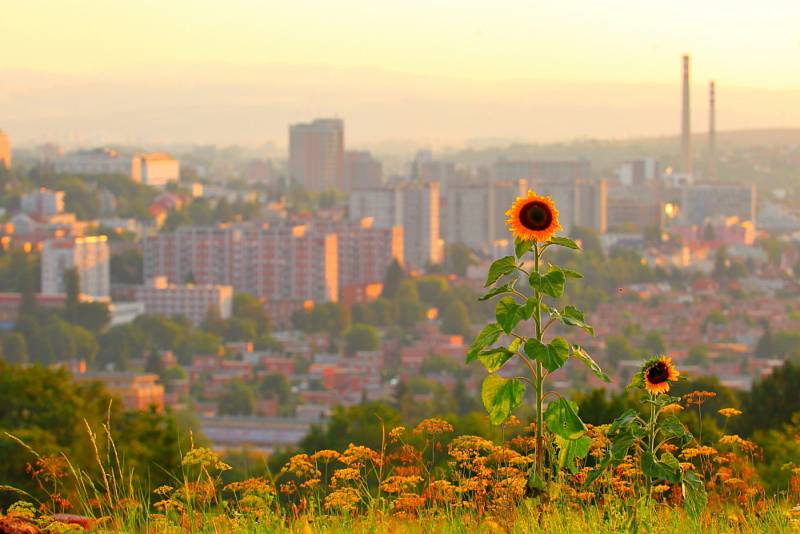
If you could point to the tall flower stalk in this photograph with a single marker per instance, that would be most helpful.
(533, 221)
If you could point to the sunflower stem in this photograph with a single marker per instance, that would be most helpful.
(539, 373)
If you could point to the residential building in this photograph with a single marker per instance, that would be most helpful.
(701, 202)
(639, 171)
(361, 169)
(5, 150)
(414, 207)
(546, 171)
(89, 256)
(43, 202)
(194, 302)
(474, 214)
(581, 202)
(279, 263)
(316, 155)
(155, 169)
(136, 391)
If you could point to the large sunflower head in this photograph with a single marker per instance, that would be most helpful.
(533, 218)
(657, 374)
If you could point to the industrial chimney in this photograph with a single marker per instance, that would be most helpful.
(686, 128)
(712, 129)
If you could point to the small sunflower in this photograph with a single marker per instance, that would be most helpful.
(533, 218)
(658, 373)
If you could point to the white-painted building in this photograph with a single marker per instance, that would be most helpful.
(88, 255)
(43, 202)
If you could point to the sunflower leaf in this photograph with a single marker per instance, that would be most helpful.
(551, 284)
(572, 316)
(570, 449)
(569, 273)
(553, 356)
(694, 494)
(561, 417)
(488, 336)
(499, 290)
(501, 396)
(521, 246)
(564, 242)
(499, 268)
(507, 312)
(494, 359)
(583, 356)
(667, 468)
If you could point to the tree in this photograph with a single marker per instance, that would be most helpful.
(72, 288)
(619, 348)
(15, 349)
(391, 283)
(654, 343)
(40, 349)
(772, 401)
(161, 332)
(127, 267)
(121, 344)
(246, 306)
(275, 385)
(237, 399)
(458, 258)
(199, 343)
(765, 345)
(698, 355)
(361, 337)
(93, 316)
(360, 424)
(455, 319)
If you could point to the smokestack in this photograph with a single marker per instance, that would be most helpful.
(686, 127)
(712, 128)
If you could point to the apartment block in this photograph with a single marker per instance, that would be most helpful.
(88, 255)
(192, 301)
(316, 155)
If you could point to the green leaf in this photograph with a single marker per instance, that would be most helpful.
(561, 417)
(488, 336)
(597, 471)
(623, 421)
(583, 356)
(620, 447)
(564, 242)
(572, 316)
(570, 449)
(552, 356)
(551, 283)
(528, 308)
(501, 396)
(694, 494)
(521, 247)
(569, 273)
(493, 359)
(507, 312)
(499, 268)
(505, 288)
(667, 468)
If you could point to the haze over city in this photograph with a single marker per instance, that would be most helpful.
(444, 74)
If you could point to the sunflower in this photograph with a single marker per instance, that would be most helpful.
(658, 373)
(533, 218)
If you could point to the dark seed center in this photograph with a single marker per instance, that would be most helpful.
(658, 373)
(536, 216)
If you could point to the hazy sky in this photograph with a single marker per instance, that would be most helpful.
(115, 49)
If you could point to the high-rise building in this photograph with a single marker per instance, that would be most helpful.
(475, 213)
(5, 150)
(580, 202)
(316, 155)
(361, 169)
(639, 171)
(701, 202)
(89, 256)
(414, 207)
(42, 202)
(545, 171)
(280, 263)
